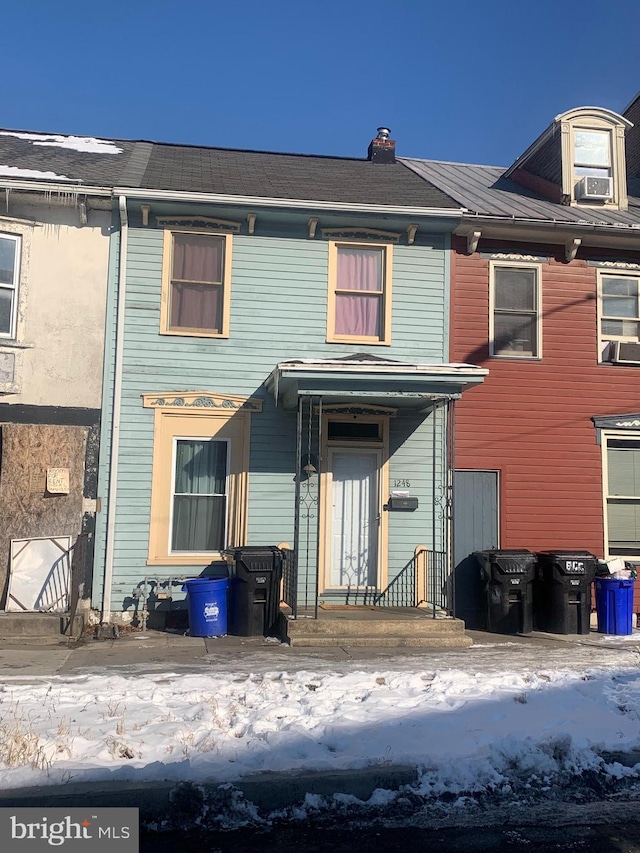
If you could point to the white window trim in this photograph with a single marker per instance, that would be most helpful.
(22, 230)
(493, 265)
(602, 340)
(176, 438)
(604, 441)
(16, 239)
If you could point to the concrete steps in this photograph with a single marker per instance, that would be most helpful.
(409, 628)
(23, 627)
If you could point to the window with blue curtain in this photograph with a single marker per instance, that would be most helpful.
(199, 495)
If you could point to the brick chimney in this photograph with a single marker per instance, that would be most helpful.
(382, 149)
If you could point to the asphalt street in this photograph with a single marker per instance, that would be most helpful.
(621, 837)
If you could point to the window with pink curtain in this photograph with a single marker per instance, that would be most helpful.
(359, 292)
(196, 296)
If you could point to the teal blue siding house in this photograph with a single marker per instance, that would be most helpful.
(275, 374)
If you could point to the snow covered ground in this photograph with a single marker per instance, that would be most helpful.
(505, 720)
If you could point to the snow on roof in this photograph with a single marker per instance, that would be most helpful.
(16, 172)
(85, 144)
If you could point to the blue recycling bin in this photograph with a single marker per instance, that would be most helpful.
(207, 606)
(614, 605)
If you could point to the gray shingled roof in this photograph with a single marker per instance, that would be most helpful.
(288, 176)
(36, 153)
(161, 166)
(483, 191)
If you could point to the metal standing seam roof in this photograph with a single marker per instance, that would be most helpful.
(483, 191)
(108, 163)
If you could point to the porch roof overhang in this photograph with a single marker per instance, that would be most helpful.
(368, 379)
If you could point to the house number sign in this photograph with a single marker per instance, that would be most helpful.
(402, 484)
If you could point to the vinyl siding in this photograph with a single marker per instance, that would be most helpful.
(531, 420)
(278, 312)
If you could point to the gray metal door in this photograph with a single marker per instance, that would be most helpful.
(475, 526)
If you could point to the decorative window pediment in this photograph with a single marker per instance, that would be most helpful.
(206, 223)
(360, 234)
(201, 400)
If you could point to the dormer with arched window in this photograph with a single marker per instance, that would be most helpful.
(578, 160)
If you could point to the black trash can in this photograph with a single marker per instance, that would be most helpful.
(256, 572)
(508, 577)
(562, 591)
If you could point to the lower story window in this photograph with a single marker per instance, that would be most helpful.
(199, 503)
(200, 476)
(622, 496)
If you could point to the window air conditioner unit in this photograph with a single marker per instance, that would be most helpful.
(599, 189)
(621, 352)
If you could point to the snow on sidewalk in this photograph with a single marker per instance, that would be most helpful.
(487, 719)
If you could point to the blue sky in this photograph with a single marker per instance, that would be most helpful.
(463, 81)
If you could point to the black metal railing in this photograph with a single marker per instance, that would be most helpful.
(402, 591)
(290, 580)
(422, 582)
(439, 581)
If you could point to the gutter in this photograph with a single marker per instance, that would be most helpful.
(225, 198)
(116, 413)
(302, 204)
(47, 187)
(480, 218)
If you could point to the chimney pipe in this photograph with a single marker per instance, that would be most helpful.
(382, 149)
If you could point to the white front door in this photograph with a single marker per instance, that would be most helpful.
(354, 518)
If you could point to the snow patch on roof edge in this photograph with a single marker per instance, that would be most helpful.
(15, 172)
(85, 144)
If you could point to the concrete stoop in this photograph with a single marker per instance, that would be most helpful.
(395, 629)
(38, 627)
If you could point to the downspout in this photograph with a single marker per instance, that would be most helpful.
(115, 415)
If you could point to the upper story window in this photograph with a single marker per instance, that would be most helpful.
(619, 317)
(359, 293)
(620, 307)
(9, 279)
(593, 165)
(514, 321)
(196, 284)
(593, 157)
(592, 153)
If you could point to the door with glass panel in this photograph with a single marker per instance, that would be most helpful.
(353, 519)
(199, 495)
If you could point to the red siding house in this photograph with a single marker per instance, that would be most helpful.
(545, 293)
